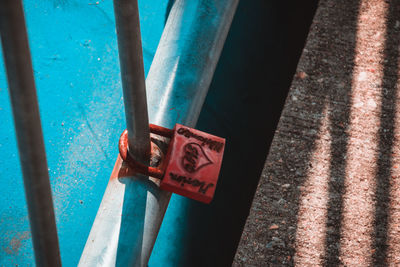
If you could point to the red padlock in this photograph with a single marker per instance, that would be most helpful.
(192, 163)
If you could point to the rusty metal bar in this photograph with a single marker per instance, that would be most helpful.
(32, 153)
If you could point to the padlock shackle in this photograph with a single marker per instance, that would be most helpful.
(137, 166)
(155, 129)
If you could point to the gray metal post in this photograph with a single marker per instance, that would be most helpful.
(29, 133)
(133, 80)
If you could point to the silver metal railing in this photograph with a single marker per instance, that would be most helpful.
(132, 75)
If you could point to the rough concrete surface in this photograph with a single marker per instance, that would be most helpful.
(329, 194)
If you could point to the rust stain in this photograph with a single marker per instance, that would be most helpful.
(121, 169)
(16, 242)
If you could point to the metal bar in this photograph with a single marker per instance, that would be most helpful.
(177, 83)
(32, 153)
(133, 80)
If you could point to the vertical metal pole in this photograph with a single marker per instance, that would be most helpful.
(133, 80)
(32, 154)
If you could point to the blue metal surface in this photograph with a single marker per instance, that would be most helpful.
(75, 60)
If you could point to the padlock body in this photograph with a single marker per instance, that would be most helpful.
(194, 162)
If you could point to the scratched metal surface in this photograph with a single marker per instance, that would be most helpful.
(74, 52)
